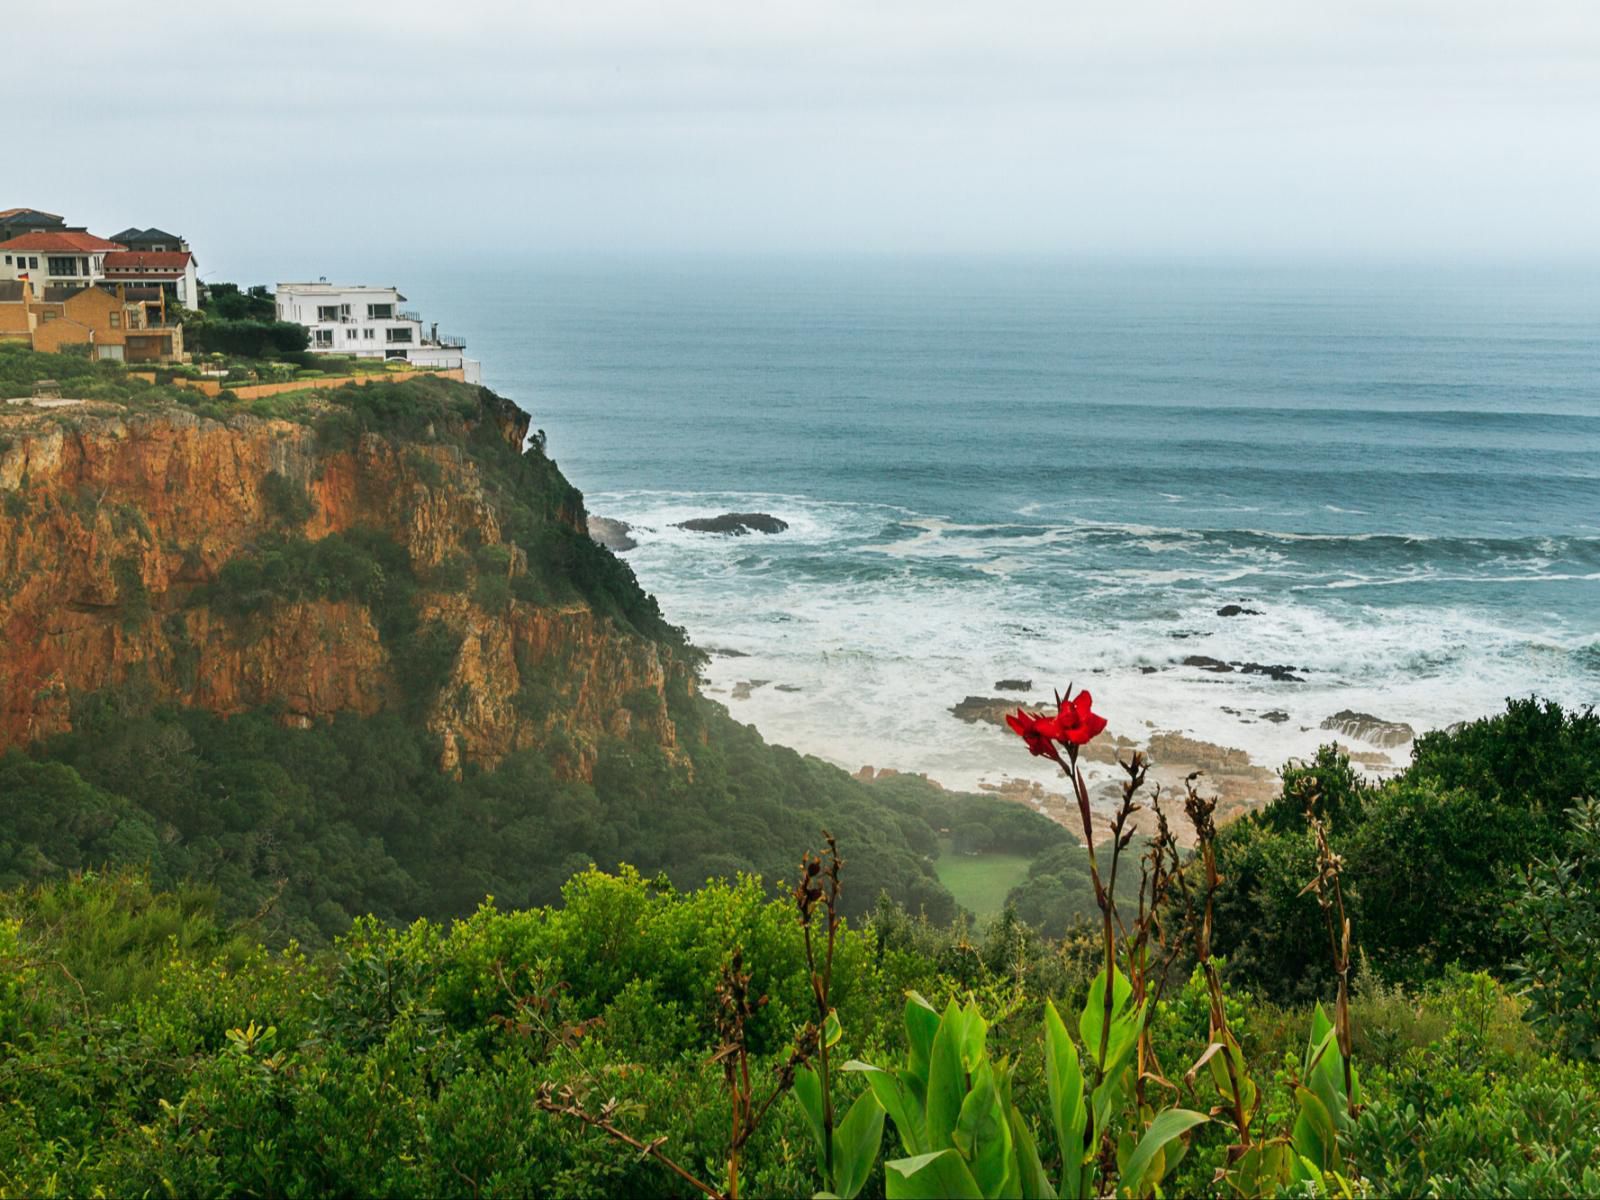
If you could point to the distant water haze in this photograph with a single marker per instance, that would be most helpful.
(1061, 471)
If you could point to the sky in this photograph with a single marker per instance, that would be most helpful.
(303, 132)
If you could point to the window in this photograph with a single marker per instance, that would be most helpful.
(116, 320)
(398, 335)
(327, 312)
(369, 334)
(324, 337)
(380, 312)
(62, 265)
(33, 262)
(8, 260)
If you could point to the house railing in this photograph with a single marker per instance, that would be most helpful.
(450, 342)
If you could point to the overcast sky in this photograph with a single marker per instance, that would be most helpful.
(1461, 128)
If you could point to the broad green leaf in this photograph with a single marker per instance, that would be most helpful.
(832, 1031)
(947, 1080)
(1064, 1079)
(897, 1101)
(983, 1135)
(973, 1035)
(1263, 1169)
(1315, 1138)
(1225, 1084)
(922, 1024)
(808, 1091)
(1143, 1173)
(1032, 1180)
(1325, 1072)
(855, 1145)
(1093, 1019)
(938, 1176)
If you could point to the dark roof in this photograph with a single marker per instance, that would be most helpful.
(55, 293)
(29, 216)
(10, 291)
(152, 234)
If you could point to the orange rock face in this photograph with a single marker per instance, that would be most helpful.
(112, 522)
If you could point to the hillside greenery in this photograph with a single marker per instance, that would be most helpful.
(238, 958)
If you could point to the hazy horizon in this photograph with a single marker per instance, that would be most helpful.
(282, 139)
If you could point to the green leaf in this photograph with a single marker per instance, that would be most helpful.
(808, 1091)
(973, 1034)
(1064, 1079)
(983, 1135)
(1035, 1184)
(947, 1084)
(1315, 1137)
(1093, 1019)
(855, 1145)
(896, 1098)
(938, 1176)
(1169, 1124)
(922, 1024)
(832, 1031)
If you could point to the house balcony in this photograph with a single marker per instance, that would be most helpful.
(405, 315)
(447, 341)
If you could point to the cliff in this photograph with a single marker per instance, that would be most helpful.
(333, 554)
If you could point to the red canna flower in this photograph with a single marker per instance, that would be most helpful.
(1038, 732)
(1077, 722)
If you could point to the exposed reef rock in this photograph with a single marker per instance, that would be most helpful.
(1365, 727)
(736, 523)
(1237, 610)
(1013, 685)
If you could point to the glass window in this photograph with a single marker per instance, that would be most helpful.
(33, 262)
(398, 335)
(380, 312)
(63, 265)
(327, 312)
(324, 337)
(369, 334)
(116, 320)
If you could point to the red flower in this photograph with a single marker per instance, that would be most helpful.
(1077, 722)
(1038, 732)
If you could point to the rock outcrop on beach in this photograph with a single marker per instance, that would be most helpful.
(1237, 610)
(1013, 685)
(1364, 727)
(736, 523)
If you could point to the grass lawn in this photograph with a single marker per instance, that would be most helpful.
(979, 882)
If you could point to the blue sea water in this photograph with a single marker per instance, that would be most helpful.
(1060, 471)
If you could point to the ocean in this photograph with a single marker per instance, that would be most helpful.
(1061, 472)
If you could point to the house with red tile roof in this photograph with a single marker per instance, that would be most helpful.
(151, 273)
(55, 257)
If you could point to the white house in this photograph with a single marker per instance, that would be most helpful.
(368, 322)
(70, 258)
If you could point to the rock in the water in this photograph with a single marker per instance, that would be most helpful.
(724, 652)
(1013, 685)
(990, 709)
(611, 533)
(1277, 716)
(742, 689)
(1274, 671)
(788, 687)
(1237, 610)
(736, 523)
(1271, 670)
(1375, 731)
(1148, 670)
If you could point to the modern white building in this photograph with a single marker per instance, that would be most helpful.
(369, 322)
